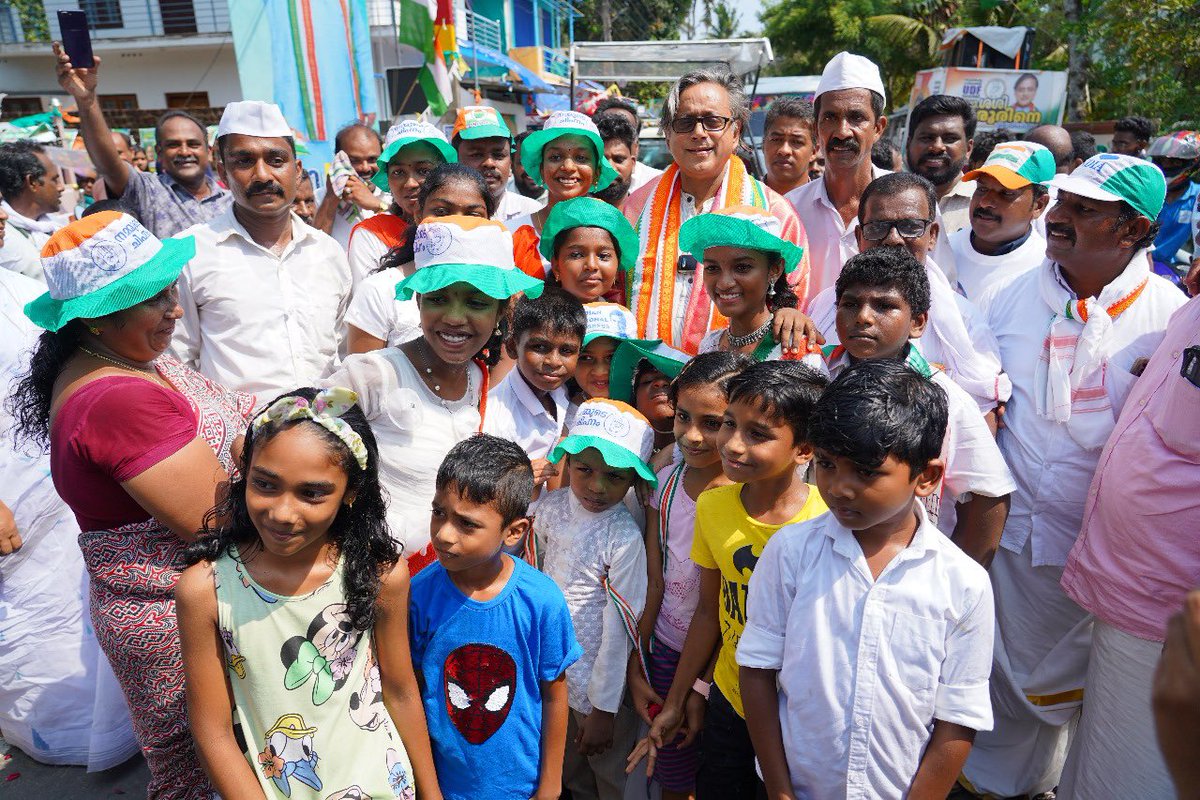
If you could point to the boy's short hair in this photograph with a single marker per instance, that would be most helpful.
(787, 390)
(877, 408)
(789, 107)
(557, 310)
(1140, 127)
(491, 470)
(883, 154)
(616, 126)
(888, 267)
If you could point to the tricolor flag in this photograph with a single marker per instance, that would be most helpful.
(428, 26)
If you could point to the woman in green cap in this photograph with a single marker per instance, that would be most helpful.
(589, 245)
(567, 157)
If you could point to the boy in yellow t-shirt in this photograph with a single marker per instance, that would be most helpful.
(764, 445)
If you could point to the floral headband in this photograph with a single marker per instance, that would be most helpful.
(326, 410)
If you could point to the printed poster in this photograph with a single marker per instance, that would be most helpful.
(1018, 100)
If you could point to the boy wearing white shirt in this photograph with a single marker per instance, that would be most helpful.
(867, 648)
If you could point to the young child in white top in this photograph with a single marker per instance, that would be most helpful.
(587, 541)
(882, 308)
(866, 654)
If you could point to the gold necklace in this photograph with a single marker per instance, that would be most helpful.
(121, 364)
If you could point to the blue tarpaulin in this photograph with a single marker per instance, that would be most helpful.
(493, 58)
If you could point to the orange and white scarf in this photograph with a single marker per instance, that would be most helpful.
(650, 285)
(1070, 381)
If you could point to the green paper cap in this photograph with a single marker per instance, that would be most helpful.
(630, 353)
(588, 212)
(738, 226)
(559, 124)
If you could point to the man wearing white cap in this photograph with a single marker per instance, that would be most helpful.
(1073, 332)
(264, 297)
(849, 109)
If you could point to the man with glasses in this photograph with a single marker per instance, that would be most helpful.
(899, 209)
(1073, 333)
(849, 111)
(703, 118)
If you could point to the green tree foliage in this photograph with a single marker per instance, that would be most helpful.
(633, 20)
(725, 20)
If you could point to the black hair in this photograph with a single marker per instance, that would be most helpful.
(560, 240)
(29, 403)
(117, 204)
(441, 175)
(1083, 145)
(789, 108)
(787, 390)
(359, 531)
(555, 311)
(351, 128)
(985, 143)
(942, 105)
(491, 470)
(1140, 127)
(1028, 76)
(18, 161)
(895, 183)
(1127, 214)
(891, 267)
(879, 408)
(876, 104)
(622, 103)
(883, 154)
(715, 368)
(615, 126)
(176, 113)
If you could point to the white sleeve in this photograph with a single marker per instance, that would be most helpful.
(371, 307)
(370, 376)
(627, 577)
(185, 342)
(962, 692)
(822, 309)
(772, 587)
(365, 251)
(974, 464)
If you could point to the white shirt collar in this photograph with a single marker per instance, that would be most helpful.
(528, 398)
(226, 224)
(845, 544)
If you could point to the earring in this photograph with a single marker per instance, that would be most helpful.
(497, 331)
(771, 290)
(95, 331)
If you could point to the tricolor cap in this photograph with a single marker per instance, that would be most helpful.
(609, 319)
(1017, 165)
(400, 136)
(739, 226)
(479, 122)
(563, 123)
(1180, 144)
(630, 353)
(473, 250)
(588, 212)
(104, 263)
(849, 71)
(253, 118)
(1113, 177)
(618, 430)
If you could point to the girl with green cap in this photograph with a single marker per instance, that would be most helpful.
(589, 245)
(567, 157)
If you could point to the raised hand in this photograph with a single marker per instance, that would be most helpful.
(79, 83)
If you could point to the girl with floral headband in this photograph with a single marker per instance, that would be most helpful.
(294, 618)
(427, 394)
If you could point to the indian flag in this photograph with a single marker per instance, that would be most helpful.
(428, 26)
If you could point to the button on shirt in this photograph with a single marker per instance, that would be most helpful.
(514, 412)
(830, 240)
(1138, 554)
(866, 665)
(1052, 472)
(256, 321)
(166, 208)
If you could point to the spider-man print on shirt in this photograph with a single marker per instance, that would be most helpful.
(479, 680)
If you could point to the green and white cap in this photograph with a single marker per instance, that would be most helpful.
(472, 250)
(630, 353)
(479, 122)
(588, 212)
(562, 123)
(739, 226)
(1112, 177)
(619, 431)
(1017, 165)
(400, 136)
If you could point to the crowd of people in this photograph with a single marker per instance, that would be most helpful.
(508, 466)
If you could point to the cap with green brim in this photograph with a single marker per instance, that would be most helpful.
(1114, 177)
(400, 136)
(630, 353)
(1017, 165)
(104, 263)
(479, 122)
(588, 212)
(618, 431)
(563, 123)
(739, 226)
(471, 250)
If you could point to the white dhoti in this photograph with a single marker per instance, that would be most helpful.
(1114, 752)
(1039, 664)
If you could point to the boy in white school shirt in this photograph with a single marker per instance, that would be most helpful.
(867, 648)
(529, 406)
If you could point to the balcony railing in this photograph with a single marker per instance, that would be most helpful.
(476, 28)
(116, 19)
(555, 63)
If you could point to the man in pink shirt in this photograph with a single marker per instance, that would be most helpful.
(1136, 558)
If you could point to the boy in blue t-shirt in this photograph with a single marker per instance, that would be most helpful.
(491, 636)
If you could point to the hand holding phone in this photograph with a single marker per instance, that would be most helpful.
(76, 40)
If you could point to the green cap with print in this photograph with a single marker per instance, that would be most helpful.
(1017, 165)
(1113, 177)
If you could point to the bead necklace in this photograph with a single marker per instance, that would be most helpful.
(738, 342)
(121, 364)
(429, 378)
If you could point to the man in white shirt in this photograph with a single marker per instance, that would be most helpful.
(17, 253)
(1010, 194)
(484, 142)
(642, 173)
(264, 297)
(32, 187)
(849, 109)
(360, 199)
(1073, 333)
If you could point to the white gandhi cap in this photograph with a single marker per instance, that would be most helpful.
(253, 118)
(848, 71)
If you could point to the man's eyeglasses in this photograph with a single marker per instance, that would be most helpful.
(907, 228)
(710, 122)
